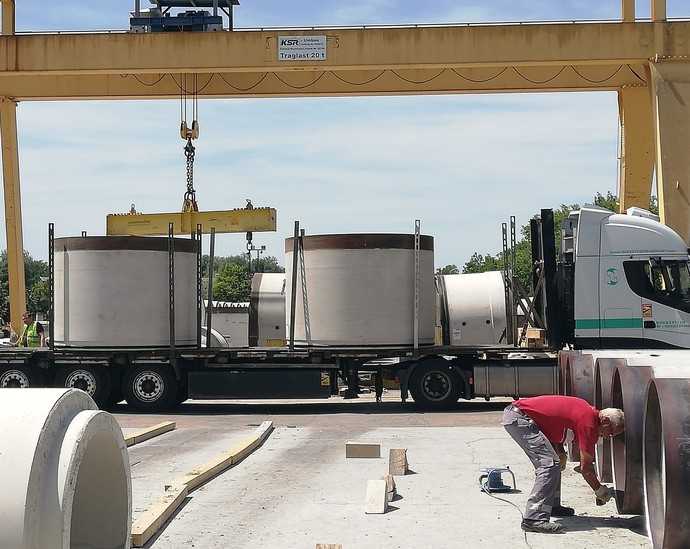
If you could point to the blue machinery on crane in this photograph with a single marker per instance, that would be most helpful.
(161, 19)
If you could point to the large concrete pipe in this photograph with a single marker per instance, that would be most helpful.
(114, 291)
(604, 369)
(359, 290)
(666, 460)
(65, 473)
(628, 393)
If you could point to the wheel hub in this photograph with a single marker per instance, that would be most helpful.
(148, 386)
(14, 379)
(436, 385)
(84, 380)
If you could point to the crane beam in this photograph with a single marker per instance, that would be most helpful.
(494, 46)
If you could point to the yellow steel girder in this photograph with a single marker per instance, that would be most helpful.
(185, 223)
(450, 59)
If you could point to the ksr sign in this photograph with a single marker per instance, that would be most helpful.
(302, 48)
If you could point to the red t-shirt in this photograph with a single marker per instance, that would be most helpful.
(555, 414)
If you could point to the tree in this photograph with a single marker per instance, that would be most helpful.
(232, 283)
(610, 201)
(448, 270)
(35, 270)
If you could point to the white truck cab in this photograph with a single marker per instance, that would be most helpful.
(631, 280)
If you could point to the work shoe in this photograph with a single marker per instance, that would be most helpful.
(542, 527)
(560, 511)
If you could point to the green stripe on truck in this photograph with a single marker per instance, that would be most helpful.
(607, 323)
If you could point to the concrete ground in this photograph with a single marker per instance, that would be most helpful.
(298, 489)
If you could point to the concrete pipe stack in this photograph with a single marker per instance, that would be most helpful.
(650, 461)
(66, 481)
(113, 291)
(358, 289)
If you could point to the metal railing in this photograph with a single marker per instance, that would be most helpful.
(375, 26)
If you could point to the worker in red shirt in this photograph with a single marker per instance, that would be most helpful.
(539, 426)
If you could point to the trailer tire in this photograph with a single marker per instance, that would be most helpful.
(435, 385)
(150, 388)
(21, 377)
(94, 381)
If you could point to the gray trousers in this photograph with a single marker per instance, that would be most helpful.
(547, 485)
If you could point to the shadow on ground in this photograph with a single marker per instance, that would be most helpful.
(310, 408)
(585, 523)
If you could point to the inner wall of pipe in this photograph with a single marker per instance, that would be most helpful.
(654, 468)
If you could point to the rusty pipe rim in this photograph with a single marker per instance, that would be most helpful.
(666, 462)
(603, 380)
(628, 392)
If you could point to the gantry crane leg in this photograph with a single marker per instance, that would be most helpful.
(637, 150)
(671, 108)
(13, 211)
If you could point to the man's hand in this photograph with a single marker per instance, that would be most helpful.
(604, 494)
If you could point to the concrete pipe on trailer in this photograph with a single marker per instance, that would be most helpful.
(604, 369)
(66, 481)
(666, 459)
(628, 393)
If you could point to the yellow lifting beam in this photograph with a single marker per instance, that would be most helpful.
(231, 221)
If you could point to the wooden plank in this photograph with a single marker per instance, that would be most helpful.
(397, 462)
(362, 450)
(152, 520)
(150, 432)
(155, 518)
(201, 475)
(377, 503)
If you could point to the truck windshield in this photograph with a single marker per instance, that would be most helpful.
(663, 281)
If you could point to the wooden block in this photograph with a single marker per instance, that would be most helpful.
(362, 450)
(150, 432)
(377, 504)
(153, 519)
(390, 487)
(397, 462)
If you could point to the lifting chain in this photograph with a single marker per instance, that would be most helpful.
(190, 204)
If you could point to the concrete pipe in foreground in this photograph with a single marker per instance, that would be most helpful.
(65, 473)
(628, 393)
(666, 462)
(604, 369)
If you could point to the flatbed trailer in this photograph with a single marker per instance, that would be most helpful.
(157, 379)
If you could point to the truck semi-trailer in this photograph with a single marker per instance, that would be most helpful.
(621, 281)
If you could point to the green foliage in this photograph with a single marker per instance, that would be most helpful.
(448, 270)
(610, 201)
(231, 281)
(34, 271)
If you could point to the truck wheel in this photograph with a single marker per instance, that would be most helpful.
(149, 388)
(435, 386)
(94, 381)
(20, 377)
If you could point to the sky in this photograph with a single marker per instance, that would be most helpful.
(461, 164)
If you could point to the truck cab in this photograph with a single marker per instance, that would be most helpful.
(631, 280)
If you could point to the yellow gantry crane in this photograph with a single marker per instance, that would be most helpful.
(646, 61)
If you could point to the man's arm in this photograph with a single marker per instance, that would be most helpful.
(587, 470)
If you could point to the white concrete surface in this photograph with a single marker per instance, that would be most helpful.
(299, 490)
